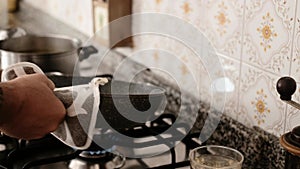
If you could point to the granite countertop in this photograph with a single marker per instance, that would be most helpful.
(261, 149)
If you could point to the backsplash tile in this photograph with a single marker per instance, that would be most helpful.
(232, 75)
(268, 36)
(293, 114)
(206, 83)
(295, 72)
(259, 99)
(256, 40)
(77, 14)
(159, 50)
(222, 24)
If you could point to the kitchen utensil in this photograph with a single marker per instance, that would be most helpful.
(139, 95)
(286, 87)
(215, 157)
(51, 53)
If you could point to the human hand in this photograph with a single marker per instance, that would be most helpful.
(29, 108)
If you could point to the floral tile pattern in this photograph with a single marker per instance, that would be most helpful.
(223, 19)
(268, 35)
(259, 99)
(267, 31)
(261, 108)
(222, 24)
(254, 40)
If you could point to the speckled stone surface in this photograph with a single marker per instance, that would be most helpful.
(260, 149)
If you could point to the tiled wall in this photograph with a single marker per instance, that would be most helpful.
(77, 14)
(258, 42)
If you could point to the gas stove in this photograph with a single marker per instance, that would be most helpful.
(49, 152)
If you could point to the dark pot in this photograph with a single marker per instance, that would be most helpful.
(146, 99)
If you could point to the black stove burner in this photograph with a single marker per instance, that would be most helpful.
(97, 159)
(91, 155)
(23, 155)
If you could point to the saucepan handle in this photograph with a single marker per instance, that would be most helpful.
(86, 52)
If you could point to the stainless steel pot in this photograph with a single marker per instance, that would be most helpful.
(50, 53)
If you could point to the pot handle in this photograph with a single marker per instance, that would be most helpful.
(86, 52)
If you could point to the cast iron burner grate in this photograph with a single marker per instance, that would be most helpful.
(24, 155)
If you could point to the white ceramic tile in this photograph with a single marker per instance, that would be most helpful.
(222, 25)
(77, 14)
(259, 33)
(243, 116)
(259, 101)
(155, 6)
(293, 114)
(268, 35)
(170, 56)
(293, 119)
(232, 72)
(296, 47)
(144, 6)
(204, 84)
(164, 6)
(187, 10)
(251, 7)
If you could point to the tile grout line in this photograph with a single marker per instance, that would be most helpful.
(293, 39)
(253, 66)
(291, 61)
(241, 57)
